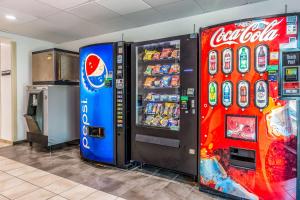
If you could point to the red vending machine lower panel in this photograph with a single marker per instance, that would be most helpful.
(248, 136)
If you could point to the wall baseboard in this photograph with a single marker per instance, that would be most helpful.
(6, 141)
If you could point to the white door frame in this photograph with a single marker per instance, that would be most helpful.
(8, 68)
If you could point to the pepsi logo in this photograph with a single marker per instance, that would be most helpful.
(95, 71)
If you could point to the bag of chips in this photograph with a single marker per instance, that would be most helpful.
(149, 108)
(156, 120)
(156, 69)
(165, 69)
(166, 52)
(175, 53)
(173, 122)
(159, 109)
(148, 55)
(175, 81)
(164, 121)
(176, 112)
(148, 70)
(149, 97)
(148, 120)
(157, 83)
(149, 82)
(175, 69)
(166, 109)
(156, 56)
(165, 81)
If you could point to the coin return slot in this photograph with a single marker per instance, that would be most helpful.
(96, 132)
(242, 158)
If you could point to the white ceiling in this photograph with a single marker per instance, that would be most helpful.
(66, 20)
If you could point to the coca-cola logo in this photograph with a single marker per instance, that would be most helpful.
(251, 33)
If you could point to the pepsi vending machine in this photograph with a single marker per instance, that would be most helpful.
(104, 75)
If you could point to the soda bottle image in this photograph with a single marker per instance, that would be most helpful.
(212, 94)
(243, 94)
(261, 92)
(227, 60)
(213, 61)
(243, 59)
(226, 93)
(261, 60)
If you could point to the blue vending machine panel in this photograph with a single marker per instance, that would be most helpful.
(97, 135)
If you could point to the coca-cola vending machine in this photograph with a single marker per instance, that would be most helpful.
(248, 135)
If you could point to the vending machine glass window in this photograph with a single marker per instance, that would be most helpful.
(158, 85)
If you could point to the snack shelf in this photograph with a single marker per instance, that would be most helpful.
(159, 75)
(164, 61)
(161, 88)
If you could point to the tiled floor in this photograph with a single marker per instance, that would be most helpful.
(22, 182)
(35, 173)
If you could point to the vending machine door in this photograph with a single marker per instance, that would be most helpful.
(248, 133)
(97, 135)
(164, 117)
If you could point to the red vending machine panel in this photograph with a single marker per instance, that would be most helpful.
(248, 136)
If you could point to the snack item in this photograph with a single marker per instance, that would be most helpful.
(174, 98)
(164, 122)
(175, 69)
(173, 122)
(154, 109)
(176, 112)
(149, 108)
(165, 69)
(156, 120)
(155, 97)
(159, 108)
(148, 70)
(148, 54)
(166, 52)
(156, 69)
(148, 120)
(165, 81)
(157, 82)
(171, 109)
(149, 97)
(175, 81)
(166, 109)
(175, 53)
(149, 82)
(156, 56)
(164, 97)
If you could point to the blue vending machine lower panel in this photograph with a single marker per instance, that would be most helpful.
(97, 134)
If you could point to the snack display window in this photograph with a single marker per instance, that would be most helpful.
(158, 85)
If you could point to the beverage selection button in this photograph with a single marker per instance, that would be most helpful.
(120, 100)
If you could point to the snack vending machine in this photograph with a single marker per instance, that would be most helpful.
(104, 107)
(248, 135)
(164, 106)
